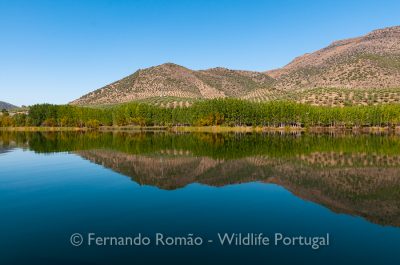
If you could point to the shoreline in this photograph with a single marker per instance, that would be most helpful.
(210, 129)
(43, 129)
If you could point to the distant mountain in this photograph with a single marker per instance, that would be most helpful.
(7, 106)
(363, 71)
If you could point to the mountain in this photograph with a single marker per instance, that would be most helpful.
(7, 106)
(361, 71)
(370, 61)
(171, 80)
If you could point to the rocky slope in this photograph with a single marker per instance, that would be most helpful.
(363, 71)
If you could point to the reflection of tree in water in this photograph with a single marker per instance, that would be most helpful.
(357, 175)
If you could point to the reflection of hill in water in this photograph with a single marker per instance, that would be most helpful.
(173, 172)
(367, 186)
(7, 146)
(5, 150)
(353, 174)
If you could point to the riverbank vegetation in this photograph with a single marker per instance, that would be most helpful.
(220, 112)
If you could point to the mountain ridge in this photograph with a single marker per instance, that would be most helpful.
(368, 63)
(7, 106)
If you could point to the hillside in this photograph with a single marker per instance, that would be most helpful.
(370, 61)
(7, 106)
(174, 81)
(358, 71)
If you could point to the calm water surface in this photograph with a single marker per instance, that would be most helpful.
(53, 185)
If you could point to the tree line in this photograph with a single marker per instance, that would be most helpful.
(227, 112)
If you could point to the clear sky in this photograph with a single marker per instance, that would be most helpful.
(56, 51)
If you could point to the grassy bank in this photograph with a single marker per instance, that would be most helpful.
(243, 129)
(132, 128)
(42, 129)
(209, 129)
(315, 129)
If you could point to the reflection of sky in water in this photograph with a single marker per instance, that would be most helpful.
(47, 197)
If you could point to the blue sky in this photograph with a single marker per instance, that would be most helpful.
(56, 51)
